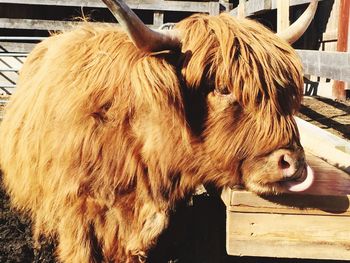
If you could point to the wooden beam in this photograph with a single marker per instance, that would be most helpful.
(16, 47)
(9, 69)
(5, 54)
(158, 18)
(254, 7)
(241, 8)
(274, 3)
(85, 3)
(214, 8)
(327, 64)
(288, 236)
(251, 7)
(282, 15)
(38, 24)
(15, 38)
(312, 205)
(161, 5)
(338, 89)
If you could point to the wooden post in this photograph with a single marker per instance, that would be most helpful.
(342, 45)
(282, 15)
(158, 18)
(214, 8)
(241, 9)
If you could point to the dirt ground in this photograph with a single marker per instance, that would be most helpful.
(197, 232)
(330, 115)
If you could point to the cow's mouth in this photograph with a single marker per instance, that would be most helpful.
(302, 183)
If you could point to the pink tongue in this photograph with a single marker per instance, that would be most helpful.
(304, 185)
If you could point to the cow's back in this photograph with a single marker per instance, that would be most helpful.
(71, 87)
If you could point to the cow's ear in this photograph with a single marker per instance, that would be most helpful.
(220, 99)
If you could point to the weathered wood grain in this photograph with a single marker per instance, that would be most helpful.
(330, 194)
(49, 25)
(16, 23)
(254, 7)
(16, 46)
(158, 18)
(161, 5)
(313, 224)
(328, 64)
(282, 15)
(288, 236)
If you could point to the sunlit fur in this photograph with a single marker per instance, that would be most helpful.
(102, 140)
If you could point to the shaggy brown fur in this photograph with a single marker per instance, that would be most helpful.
(101, 140)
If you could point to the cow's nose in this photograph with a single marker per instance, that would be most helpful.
(291, 168)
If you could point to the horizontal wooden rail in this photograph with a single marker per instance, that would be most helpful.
(39, 24)
(188, 6)
(7, 86)
(9, 70)
(253, 7)
(5, 54)
(7, 38)
(19, 46)
(327, 64)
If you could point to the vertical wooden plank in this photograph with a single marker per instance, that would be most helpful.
(342, 45)
(338, 91)
(241, 9)
(214, 8)
(343, 25)
(158, 18)
(282, 15)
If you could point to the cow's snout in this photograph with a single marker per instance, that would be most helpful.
(291, 165)
(284, 170)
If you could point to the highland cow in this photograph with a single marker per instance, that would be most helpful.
(109, 129)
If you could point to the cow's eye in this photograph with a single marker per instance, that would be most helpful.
(223, 91)
(225, 95)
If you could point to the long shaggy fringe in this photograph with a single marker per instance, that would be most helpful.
(96, 140)
(243, 56)
(263, 73)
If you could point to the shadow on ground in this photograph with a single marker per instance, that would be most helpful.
(330, 115)
(196, 235)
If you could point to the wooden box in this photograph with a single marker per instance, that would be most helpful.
(315, 224)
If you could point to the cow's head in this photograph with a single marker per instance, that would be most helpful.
(251, 83)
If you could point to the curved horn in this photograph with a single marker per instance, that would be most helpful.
(143, 37)
(298, 28)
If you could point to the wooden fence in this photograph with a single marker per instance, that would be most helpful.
(158, 7)
(328, 64)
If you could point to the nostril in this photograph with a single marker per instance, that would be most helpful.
(287, 165)
(284, 164)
